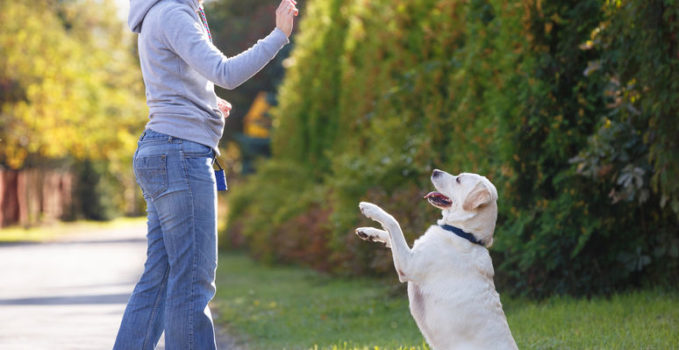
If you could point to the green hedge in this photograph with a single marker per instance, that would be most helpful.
(569, 108)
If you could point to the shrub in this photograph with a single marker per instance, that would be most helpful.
(96, 191)
(552, 101)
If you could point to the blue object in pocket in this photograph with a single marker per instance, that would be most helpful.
(220, 177)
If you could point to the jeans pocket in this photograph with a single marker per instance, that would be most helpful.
(151, 173)
(196, 150)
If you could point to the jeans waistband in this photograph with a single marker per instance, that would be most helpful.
(153, 137)
(149, 134)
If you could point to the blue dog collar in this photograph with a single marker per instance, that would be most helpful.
(468, 236)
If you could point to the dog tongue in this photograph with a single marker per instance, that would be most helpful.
(432, 194)
(438, 199)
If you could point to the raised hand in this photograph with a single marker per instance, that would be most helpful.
(285, 16)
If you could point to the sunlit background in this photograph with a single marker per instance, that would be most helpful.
(569, 108)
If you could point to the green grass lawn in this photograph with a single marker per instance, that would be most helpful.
(293, 308)
(640, 320)
(62, 229)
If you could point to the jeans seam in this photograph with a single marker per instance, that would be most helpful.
(155, 308)
(192, 302)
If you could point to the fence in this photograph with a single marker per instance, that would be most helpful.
(35, 195)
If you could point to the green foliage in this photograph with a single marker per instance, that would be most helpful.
(567, 108)
(275, 183)
(635, 147)
(96, 191)
(644, 63)
(312, 134)
(572, 234)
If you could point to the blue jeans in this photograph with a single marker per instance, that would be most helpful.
(172, 295)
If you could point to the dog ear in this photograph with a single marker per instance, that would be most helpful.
(479, 196)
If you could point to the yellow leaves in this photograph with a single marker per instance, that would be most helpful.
(633, 97)
(73, 89)
(355, 34)
(506, 171)
(548, 27)
(538, 7)
(14, 156)
(556, 18)
(402, 8)
(587, 45)
(607, 123)
(616, 3)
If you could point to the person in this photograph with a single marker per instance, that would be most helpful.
(173, 166)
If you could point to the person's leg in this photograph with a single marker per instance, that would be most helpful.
(187, 213)
(142, 323)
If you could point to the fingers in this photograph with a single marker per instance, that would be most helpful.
(292, 9)
(225, 112)
(285, 15)
(288, 7)
(225, 105)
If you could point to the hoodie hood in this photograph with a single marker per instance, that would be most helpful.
(139, 9)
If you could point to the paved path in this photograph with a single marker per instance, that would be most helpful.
(70, 294)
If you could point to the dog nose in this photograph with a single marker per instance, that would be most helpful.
(437, 173)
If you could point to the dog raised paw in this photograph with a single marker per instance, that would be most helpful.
(372, 211)
(373, 235)
(361, 232)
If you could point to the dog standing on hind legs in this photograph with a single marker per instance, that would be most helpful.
(449, 271)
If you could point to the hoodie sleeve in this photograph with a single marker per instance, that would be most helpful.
(185, 36)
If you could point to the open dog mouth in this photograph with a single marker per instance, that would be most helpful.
(438, 200)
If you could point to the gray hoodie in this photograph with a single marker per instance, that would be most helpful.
(180, 67)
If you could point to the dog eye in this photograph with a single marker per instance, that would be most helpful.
(457, 180)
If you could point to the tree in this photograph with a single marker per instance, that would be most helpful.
(70, 86)
(71, 90)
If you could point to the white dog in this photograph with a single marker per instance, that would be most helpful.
(449, 271)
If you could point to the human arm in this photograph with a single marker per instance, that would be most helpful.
(185, 36)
